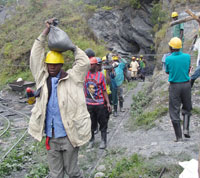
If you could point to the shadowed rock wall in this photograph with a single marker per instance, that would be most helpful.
(126, 30)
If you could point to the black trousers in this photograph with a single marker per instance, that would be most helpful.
(179, 93)
(98, 115)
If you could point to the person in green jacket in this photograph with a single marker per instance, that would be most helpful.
(178, 29)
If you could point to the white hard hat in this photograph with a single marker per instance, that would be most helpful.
(115, 64)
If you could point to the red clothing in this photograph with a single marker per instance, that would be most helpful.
(94, 86)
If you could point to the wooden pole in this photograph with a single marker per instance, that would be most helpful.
(192, 14)
(186, 19)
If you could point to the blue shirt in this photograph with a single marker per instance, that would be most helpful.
(53, 117)
(119, 79)
(178, 66)
(163, 59)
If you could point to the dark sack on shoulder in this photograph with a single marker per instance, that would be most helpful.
(58, 40)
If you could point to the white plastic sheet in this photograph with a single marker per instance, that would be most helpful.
(190, 169)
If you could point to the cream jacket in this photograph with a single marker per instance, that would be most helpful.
(134, 66)
(71, 99)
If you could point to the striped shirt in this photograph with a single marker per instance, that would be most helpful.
(94, 86)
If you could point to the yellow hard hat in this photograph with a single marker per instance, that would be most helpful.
(174, 14)
(104, 58)
(175, 43)
(115, 58)
(54, 57)
(137, 59)
(141, 55)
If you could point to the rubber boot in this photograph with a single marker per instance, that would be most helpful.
(186, 124)
(192, 82)
(143, 78)
(103, 143)
(115, 111)
(121, 107)
(178, 131)
(91, 142)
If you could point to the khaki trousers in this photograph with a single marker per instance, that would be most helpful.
(134, 74)
(63, 158)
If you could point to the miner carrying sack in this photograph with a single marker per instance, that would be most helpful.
(60, 110)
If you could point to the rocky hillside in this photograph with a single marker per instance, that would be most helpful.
(125, 30)
(122, 26)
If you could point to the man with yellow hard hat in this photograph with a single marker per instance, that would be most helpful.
(178, 66)
(60, 110)
(178, 29)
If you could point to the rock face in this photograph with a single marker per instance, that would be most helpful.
(126, 30)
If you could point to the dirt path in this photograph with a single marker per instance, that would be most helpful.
(154, 143)
(158, 141)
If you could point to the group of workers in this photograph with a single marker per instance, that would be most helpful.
(72, 106)
(103, 88)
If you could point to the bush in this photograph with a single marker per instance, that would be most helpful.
(133, 167)
(19, 32)
(107, 8)
(146, 119)
(158, 16)
(136, 4)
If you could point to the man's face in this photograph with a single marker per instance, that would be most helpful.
(175, 18)
(99, 67)
(54, 69)
(93, 67)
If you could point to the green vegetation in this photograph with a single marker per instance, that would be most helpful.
(158, 16)
(31, 158)
(160, 35)
(159, 19)
(6, 134)
(196, 110)
(140, 101)
(18, 34)
(141, 118)
(136, 4)
(14, 162)
(39, 170)
(133, 3)
(107, 8)
(146, 119)
(6, 2)
(130, 85)
(137, 166)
